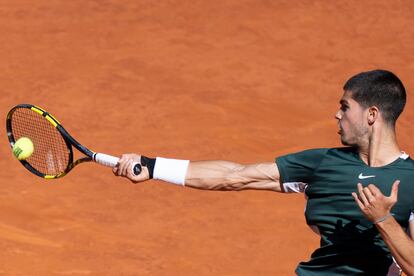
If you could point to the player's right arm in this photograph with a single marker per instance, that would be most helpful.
(229, 176)
(206, 175)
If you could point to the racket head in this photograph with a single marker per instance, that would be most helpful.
(53, 154)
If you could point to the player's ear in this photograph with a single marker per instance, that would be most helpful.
(373, 114)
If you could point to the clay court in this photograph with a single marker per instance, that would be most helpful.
(244, 81)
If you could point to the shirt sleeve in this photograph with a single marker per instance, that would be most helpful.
(296, 170)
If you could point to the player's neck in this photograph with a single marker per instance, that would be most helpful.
(381, 148)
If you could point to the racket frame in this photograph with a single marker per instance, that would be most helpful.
(69, 140)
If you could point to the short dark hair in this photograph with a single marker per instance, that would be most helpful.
(380, 88)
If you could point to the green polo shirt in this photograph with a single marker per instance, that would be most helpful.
(350, 244)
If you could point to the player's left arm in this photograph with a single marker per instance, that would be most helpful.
(377, 208)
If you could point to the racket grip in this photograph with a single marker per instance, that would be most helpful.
(105, 159)
(112, 161)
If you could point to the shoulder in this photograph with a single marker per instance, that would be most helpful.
(318, 152)
(345, 151)
(307, 159)
(406, 161)
(309, 152)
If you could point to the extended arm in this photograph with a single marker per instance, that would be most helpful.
(377, 208)
(208, 175)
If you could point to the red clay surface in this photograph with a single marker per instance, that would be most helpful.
(237, 80)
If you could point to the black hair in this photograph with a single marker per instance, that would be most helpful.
(380, 88)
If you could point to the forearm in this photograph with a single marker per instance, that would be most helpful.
(400, 245)
(229, 176)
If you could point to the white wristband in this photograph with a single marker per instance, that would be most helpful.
(171, 170)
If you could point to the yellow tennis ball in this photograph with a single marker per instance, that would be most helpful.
(23, 148)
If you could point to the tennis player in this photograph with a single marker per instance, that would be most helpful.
(350, 243)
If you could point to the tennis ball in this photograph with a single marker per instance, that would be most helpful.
(23, 148)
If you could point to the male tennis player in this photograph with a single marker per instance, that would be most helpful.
(350, 243)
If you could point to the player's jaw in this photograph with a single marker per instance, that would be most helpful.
(347, 139)
(352, 134)
(344, 134)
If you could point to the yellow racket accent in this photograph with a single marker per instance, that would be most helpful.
(51, 116)
(48, 117)
(51, 120)
(35, 109)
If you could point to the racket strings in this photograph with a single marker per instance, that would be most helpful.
(51, 155)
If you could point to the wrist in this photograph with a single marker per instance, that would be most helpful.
(383, 219)
(170, 170)
(149, 163)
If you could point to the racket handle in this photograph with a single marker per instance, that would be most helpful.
(112, 161)
(105, 159)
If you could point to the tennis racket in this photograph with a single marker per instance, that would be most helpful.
(53, 153)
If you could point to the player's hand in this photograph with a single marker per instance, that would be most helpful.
(125, 168)
(372, 202)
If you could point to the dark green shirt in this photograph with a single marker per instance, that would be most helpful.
(350, 244)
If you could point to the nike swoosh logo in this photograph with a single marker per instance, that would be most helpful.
(360, 176)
